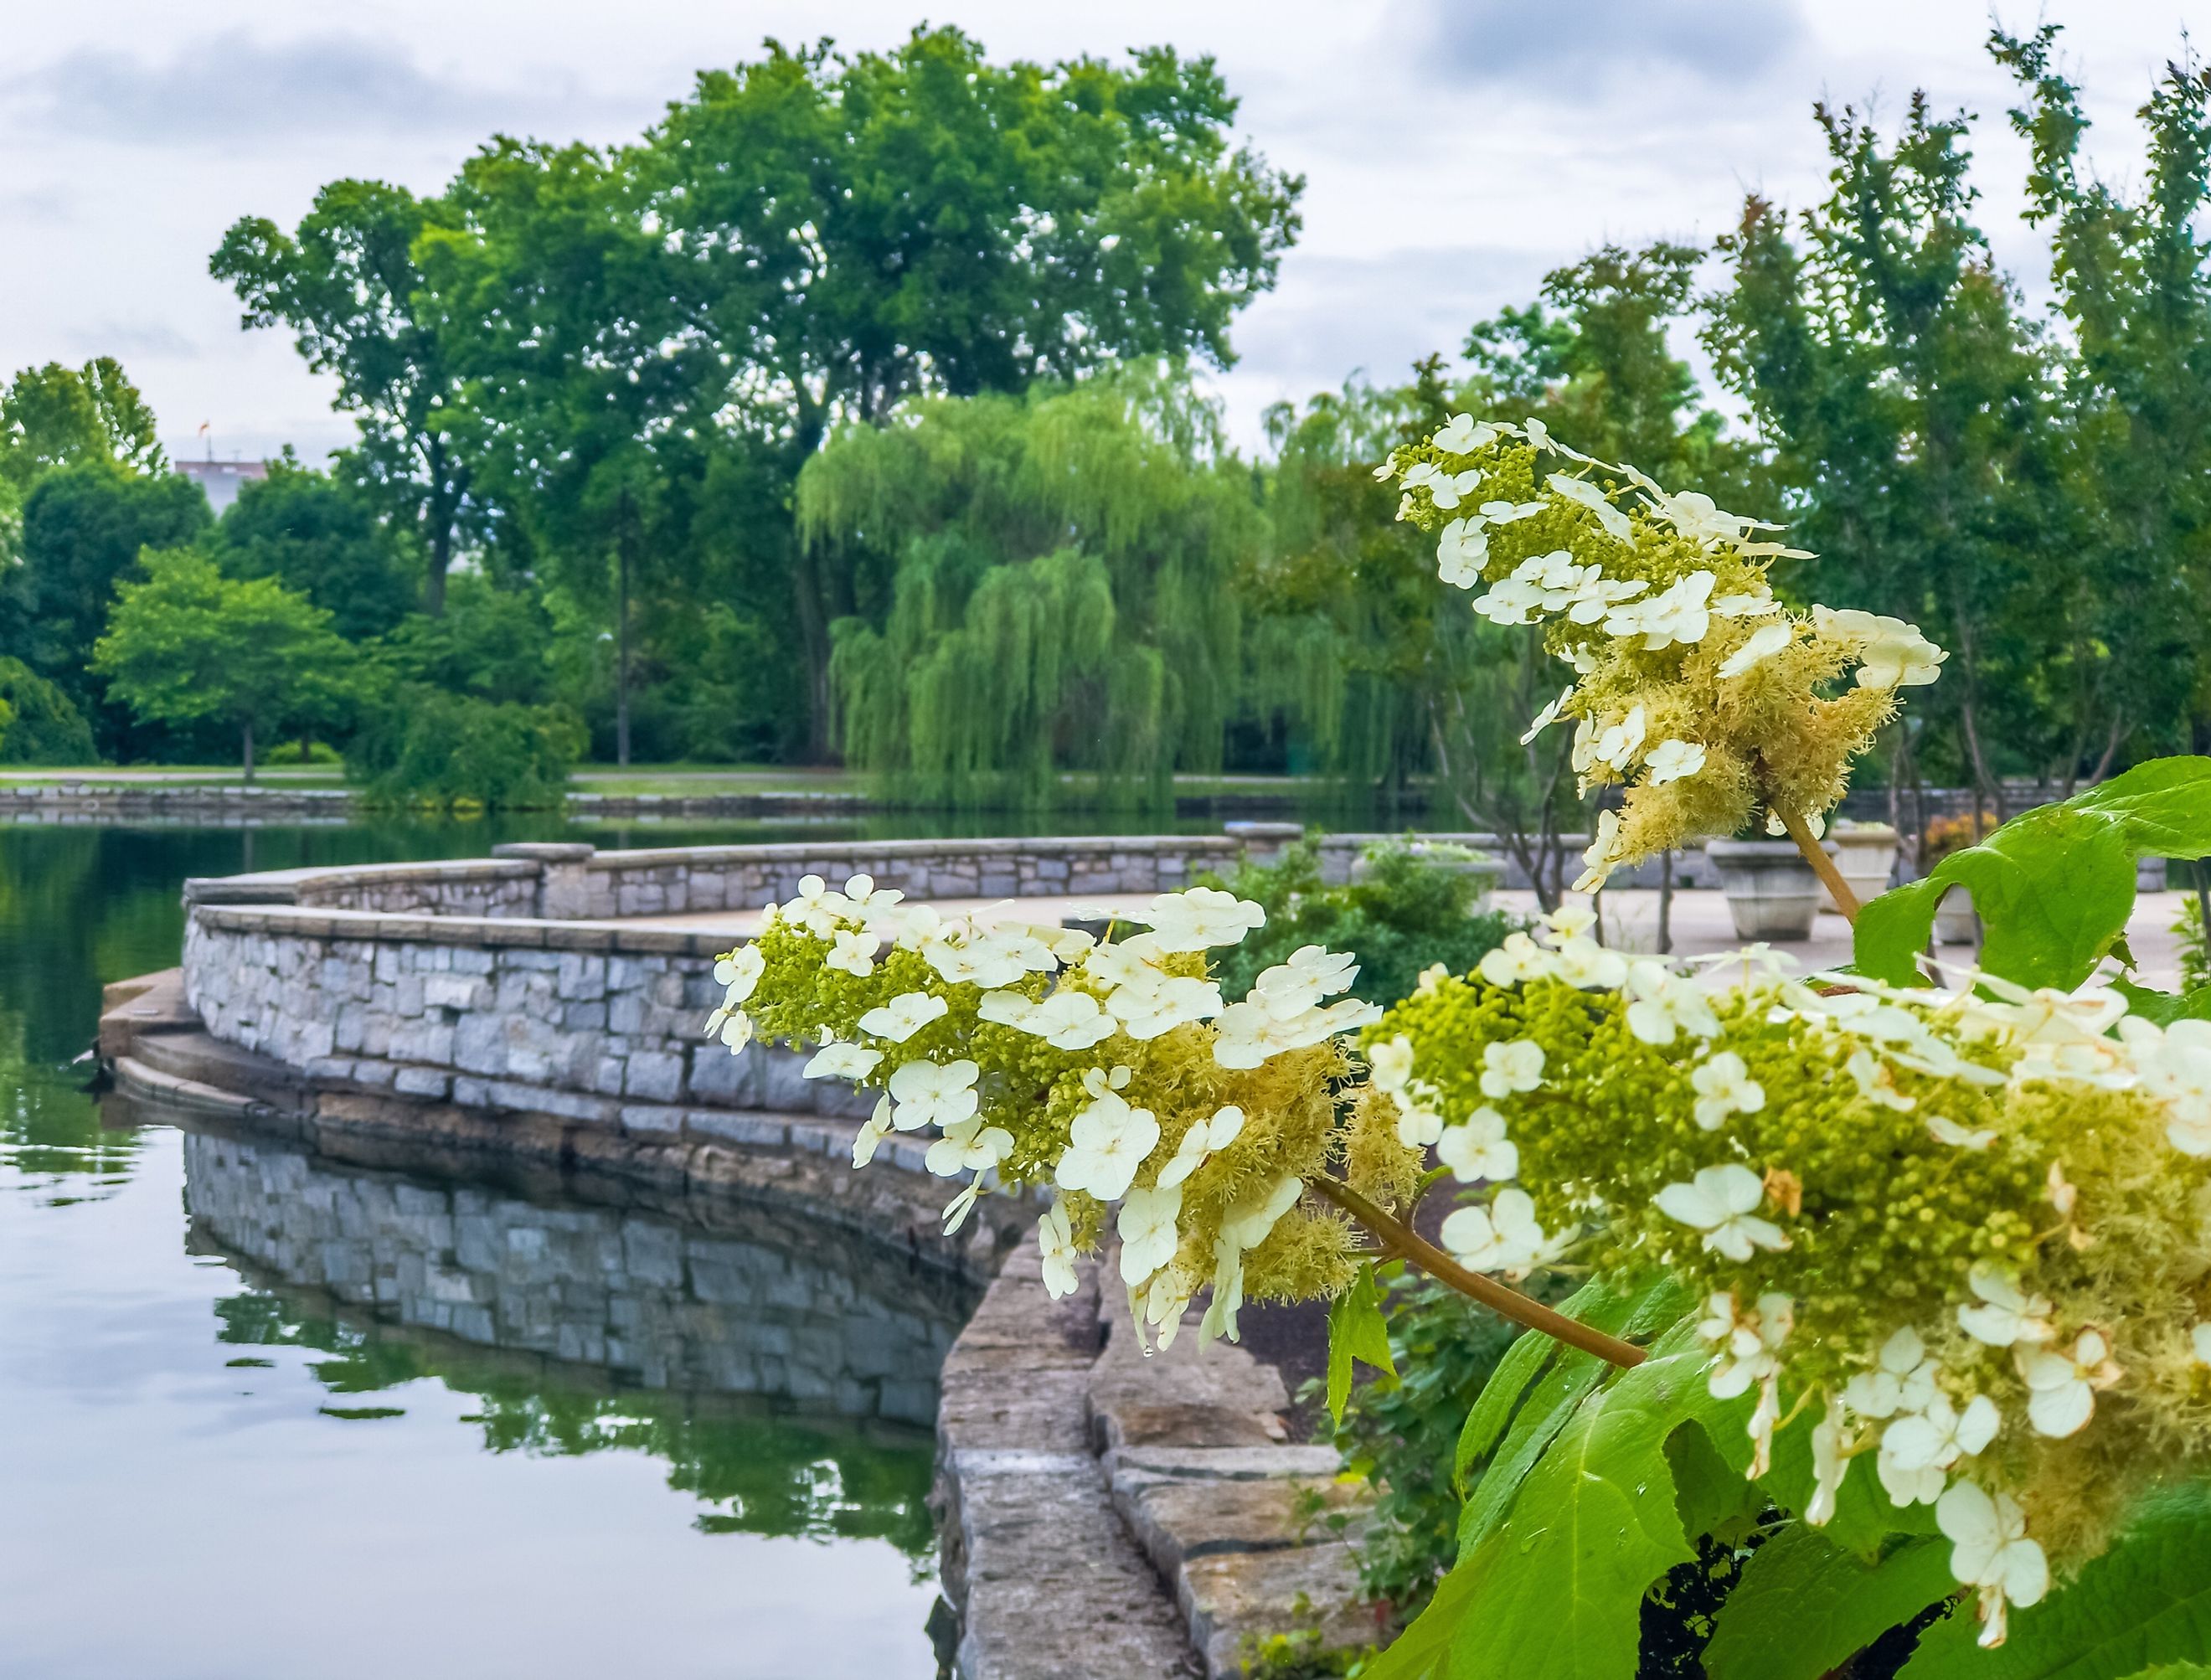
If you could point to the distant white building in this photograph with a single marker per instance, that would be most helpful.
(220, 479)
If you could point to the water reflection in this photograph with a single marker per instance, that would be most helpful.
(581, 1328)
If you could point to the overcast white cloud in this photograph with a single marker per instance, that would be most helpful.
(1453, 150)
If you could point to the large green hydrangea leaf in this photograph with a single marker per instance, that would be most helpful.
(2145, 1602)
(2053, 887)
(1804, 1605)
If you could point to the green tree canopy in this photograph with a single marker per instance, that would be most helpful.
(318, 536)
(83, 526)
(2133, 288)
(53, 416)
(41, 726)
(346, 282)
(1907, 398)
(188, 643)
(1047, 583)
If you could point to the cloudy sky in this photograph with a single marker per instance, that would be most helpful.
(1453, 150)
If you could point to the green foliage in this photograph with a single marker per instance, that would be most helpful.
(303, 752)
(1356, 1330)
(54, 416)
(83, 527)
(321, 539)
(42, 726)
(2146, 1601)
(429, 748)
(491, 643)
(2195, 949)
(189, 643)
(1398, 1434)
(1803, 1606)
(2054, 887)
(1413, 907)
(347, 283)
(1059, 571)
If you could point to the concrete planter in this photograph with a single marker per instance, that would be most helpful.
(1770, 890)
(1865, 854)
(1955, 924)
(2150, 875)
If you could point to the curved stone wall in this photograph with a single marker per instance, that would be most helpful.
(554, 980)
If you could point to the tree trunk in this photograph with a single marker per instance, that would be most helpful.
(246, 730)
(625, 544)
(441, 532)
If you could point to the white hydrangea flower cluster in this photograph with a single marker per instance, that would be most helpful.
(1956, 1227)
(1693, 687)
(1112, 1069)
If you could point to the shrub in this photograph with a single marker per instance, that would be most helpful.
(301, 752)
(433, 749)
(1412, 909)
(44, 727)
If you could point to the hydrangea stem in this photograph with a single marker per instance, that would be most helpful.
(1408, 1244)
(1823, 865)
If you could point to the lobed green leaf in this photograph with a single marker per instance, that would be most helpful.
(2145, 1601)
(1804, 1605)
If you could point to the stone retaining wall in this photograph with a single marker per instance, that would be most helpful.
(1104, 1513)
(588, 1023)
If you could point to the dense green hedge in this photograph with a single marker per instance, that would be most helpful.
(429, 748)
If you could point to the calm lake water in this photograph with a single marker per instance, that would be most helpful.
(263, 1415)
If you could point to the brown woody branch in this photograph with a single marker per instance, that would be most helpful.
(1408, 1244)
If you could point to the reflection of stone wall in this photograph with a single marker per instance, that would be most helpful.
(781, 1309)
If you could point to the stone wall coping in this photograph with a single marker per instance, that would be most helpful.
(799, 851)
(282, 886)
(526, 932)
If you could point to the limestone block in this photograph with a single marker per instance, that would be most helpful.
(479, 1044)
(1056, 1589)
(454, 991)
(655, 1074)
(422, 1083)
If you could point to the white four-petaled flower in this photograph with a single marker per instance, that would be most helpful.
(1507, 1069)
(1106, 1144)
(1991, 1550)
(1148, 1233)
(1479, 1148)
(1723, 1087)
(903, 1016)
(928, 1093)
(1722, 1202)
(2062, 1383)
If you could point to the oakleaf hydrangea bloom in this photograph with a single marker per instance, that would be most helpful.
(1954, 1232)
(1112, 1074)
(1660, 604)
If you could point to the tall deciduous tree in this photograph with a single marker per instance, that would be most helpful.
(318, 536)
(1891, 369)
(188, 643)
(2131, 280)
(849, 232)
(347, 284)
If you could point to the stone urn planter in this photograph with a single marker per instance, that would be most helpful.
(1865, 854)
(1770, 890)
(1955, 924)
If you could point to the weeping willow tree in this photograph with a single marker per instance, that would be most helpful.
(1056, 583)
